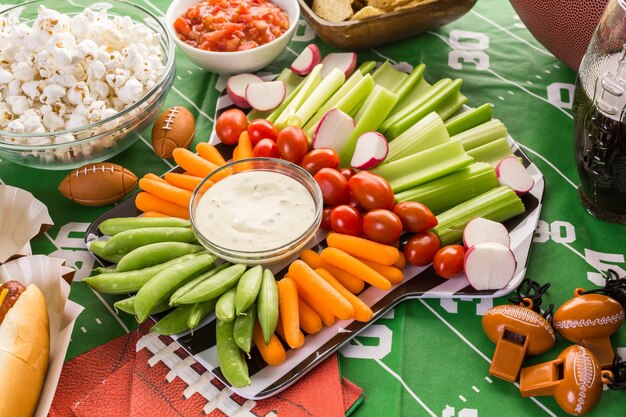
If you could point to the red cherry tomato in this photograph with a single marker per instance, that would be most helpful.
(448, 261)
(292, 144)
(347, 172)
(334, 186)
(230, 125)
(371, 191)
(266, 148)
(320, 158)
(382, 226)
(347, 220)
(261, 129)
(421, 248)
(415, 217)
(326, 218)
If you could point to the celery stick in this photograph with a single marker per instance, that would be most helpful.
(413, 95)
(451, 106)
(434, 103)
(469, 119)
(288, 99)
(367, 67)
(388, 77)
(492, 152)
(308, 86)
(410, 82)
(370, 119)
(481, 134)
(428, 132)
(424, 166)
(323, 92)
(291, 80)
(446, 192)
(499, 204)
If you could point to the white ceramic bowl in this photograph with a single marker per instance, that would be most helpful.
(240, 61)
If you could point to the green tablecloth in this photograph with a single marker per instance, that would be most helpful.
(426, 357)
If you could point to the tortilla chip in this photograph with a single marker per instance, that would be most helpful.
(367, 11)
(385, 5)
(358, 5)
(333, 10)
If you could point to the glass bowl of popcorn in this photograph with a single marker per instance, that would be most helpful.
(79, 80)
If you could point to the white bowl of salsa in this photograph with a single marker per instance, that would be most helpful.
(232, 36)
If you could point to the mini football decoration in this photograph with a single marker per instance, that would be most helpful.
(175, 128)
(98, 184)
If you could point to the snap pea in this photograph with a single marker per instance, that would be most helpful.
(102, 270)
(161, 287)
(127, 305)
(232, 363)
(124, 242)
(214, 287)
(132, 281)
(97, 248)
(121, 224)
(154, 254)
(191, 284)
(244, 325)
(200, 311)
(175, 322)
(248, 289)
(268, 305)
(225, 308)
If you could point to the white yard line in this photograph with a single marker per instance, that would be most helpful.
(544, 159)
(292, 51)
(144, 140)
(394, 62)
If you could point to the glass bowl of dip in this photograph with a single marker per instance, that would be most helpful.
(256, 211)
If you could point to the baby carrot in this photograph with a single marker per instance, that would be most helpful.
(244, 148)
(186, 182)
(148, 202)
(401, 263)
(289, 316)
(166, 191)
(310, 322)
(361, 310)
(393, 274)
(210, 153)
(364, 248)
(322, 292)
(193, 163)
(153, 214)
(327, 317)
(281, 332)
(347, 262)
(352, 283)
(273, 353)
(154, 177)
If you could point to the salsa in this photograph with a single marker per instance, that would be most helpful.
(231, 25)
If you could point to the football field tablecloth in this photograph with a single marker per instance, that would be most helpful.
(427, 356)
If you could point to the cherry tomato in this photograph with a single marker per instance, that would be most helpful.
(448, 261)
(415, 216)
(261, 129)
(266, 148)
(421, 248)
(334, 186)
(230, 125)
(347, 220)
(371, 191)
(320, 158)
(382, 226)
(326, 218)
(355, 204)
(347, 172)
(292, 144)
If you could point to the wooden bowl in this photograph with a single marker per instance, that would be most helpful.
(368, 33)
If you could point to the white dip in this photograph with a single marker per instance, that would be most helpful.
(255, 211)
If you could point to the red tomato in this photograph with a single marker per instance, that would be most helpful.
(347, 172)
(371, 191)
(415, 216)
(382, 226)
(347, 220)
(320, 158)
(266, 148)
(230, 125)
(326, 218)
(421, 248)
(448, 261)
(261, 129)
(292, 144)
(334, 186)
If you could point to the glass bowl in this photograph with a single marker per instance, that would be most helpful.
(269, 255)
(102, 140)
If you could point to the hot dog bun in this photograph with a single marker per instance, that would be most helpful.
(24, 354)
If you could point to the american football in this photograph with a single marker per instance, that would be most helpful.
(98, 184)
(175, 128)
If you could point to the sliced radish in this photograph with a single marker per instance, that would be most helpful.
(236, 88)
(266, 96)
(481, 230)
(345, 61)
(511, 172)
(489, 266)
(333, 130)
(307, 60)
(371, 149)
